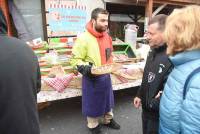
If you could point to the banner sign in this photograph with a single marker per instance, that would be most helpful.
(65, 17)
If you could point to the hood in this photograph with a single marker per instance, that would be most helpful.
(184, 57)
(3, 25)
(93, 32)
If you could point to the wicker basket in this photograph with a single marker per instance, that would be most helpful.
(76, 82)
(106, 69)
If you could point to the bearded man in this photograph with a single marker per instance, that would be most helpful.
(94, 48)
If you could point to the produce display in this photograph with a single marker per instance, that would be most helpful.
(57, 74)
(51, 55)
(121, 58)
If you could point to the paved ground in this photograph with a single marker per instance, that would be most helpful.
(64, 117)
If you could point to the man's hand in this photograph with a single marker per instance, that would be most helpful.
(137, 102)
(158, 95)
(85, 69)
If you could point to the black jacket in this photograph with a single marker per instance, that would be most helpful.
(19, 84)
(155, 75)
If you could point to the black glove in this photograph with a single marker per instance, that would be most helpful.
(154, 104)
(85, 69)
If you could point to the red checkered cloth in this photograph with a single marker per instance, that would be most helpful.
(59, 83)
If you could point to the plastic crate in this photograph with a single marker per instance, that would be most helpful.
(123, 49)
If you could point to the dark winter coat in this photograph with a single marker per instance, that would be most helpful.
(155, 75)
(19, 84)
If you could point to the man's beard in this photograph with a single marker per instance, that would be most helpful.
(100, 29)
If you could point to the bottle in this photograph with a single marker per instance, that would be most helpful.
(131, 34)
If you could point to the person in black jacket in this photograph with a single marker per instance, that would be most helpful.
(155, 75)
(19, 84)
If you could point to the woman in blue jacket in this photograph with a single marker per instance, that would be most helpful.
(180, 102)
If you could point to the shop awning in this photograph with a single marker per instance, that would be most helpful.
(125, 2)
(177, 2)
(134, 2)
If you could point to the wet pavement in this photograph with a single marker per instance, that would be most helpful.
(64, 116)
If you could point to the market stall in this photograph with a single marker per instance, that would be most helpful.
(60, 80)
(63, 22)
(65, 19)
